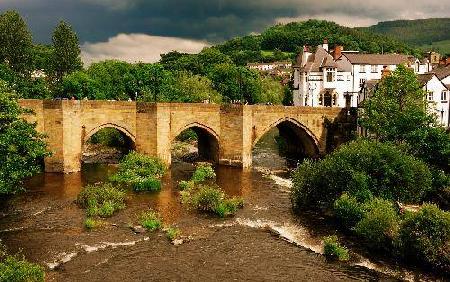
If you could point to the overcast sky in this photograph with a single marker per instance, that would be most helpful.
(138, 30)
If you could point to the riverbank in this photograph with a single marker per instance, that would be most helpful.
(265, 241)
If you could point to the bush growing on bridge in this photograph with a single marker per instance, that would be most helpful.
(101, 200)
(364, 169)
(425, 237)
(140, 172)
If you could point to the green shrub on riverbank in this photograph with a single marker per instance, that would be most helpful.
(206, 197)
(140, 172)
(203, 172)
(101, 200)
(364, 169)
(172, 233)
(348, 210)
(15, 269)
(211, 199)
(425, 237)
(150, 220)
(332, 249)
(379, 225)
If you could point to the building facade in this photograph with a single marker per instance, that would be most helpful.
(335, 79)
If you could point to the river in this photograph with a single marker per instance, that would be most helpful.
(265, 241)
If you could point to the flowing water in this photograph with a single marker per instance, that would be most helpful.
(265, 241)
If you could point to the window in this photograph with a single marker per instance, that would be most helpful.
(362, 69)
(430, 96)
(444, 96)
(330, 75)
(374, 68)
(362, 82)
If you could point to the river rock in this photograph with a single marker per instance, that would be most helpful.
(177, 242)
(138, 229)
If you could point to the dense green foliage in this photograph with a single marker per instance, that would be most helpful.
(364, 169)
(348, 210)
(379, 224)
(101, 200)
(397, 112)
(22, 148)
(66, 51)
(421, 32)
(139, 171)
(16, 44)
(425, 237)
(150, 220)
(332, 249)
(16, 269)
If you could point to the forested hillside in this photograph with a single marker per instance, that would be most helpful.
(424, 33)
(284, 41)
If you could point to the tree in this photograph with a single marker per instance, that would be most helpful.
(397, 112)
(194, 89)
(66, 54)
(15, 43)
(21, 146)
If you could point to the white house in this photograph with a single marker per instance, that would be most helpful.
(437, 97)
(335, 79)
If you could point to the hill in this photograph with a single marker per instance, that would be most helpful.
(283, 41)
(424, 33)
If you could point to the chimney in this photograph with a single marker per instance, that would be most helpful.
(306, 54)
(325, 44)
(338, 51)
(385, 72)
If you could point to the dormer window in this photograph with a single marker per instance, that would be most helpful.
(330, 74)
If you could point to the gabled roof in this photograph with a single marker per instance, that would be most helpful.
(378, 59)
(442, 72)
(424, 78)
(319, 60)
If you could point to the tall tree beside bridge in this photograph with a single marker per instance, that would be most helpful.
(66, 54)
(21, 146)
(15, 43)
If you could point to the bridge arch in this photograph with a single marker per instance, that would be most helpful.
(300, 140)
(208, 140)
(123, 130)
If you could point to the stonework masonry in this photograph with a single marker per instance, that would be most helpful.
(152, 127)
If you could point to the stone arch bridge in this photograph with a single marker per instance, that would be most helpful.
(227, 133)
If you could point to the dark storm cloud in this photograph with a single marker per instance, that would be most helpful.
(212, 20)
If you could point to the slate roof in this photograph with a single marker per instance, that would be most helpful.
(442, 72)
(378, 59)
(424, 78)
